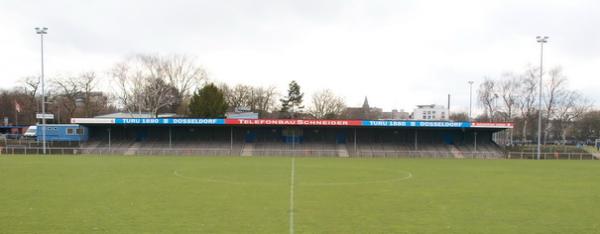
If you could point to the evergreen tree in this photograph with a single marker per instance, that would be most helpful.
(208, 102)
(292, 103)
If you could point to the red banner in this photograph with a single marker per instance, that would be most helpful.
(296, 122)
(491, 125)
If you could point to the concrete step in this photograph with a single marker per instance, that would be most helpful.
(342, 151)
(456, 152)
(248, 150)
(133, 148)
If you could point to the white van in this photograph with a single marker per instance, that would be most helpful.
(31, 132)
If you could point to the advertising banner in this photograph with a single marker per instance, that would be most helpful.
(295, 122)
(290, 122)
(169, 121)
(401, 123)
(92, 121)
(491, 125)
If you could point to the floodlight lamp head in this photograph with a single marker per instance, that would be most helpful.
(541, 39)
(41, 30)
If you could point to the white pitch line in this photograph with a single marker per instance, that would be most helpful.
(292, 180)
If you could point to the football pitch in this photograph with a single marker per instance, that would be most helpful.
(114, 194)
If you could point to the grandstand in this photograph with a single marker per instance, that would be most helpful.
(264, 137)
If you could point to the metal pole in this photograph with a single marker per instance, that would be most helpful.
(540, 40)
(539, 140)
(109, 138)
(470, 99)
(448, 114)
(170, 145)
(16, 117)
(42, 32)
(293, 138)
(475, 142)
(293, 133)
(355, 147)
(416, 136)
(230, 140)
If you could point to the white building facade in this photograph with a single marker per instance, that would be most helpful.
(430, 112)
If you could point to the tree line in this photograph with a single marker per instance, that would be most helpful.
(66, 97)
(513, 97)
(155, 84)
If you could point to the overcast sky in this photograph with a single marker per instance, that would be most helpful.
(398, 53)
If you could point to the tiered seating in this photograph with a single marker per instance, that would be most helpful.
(488, 150)
(300, 149)
(439, 150)
(160, 147)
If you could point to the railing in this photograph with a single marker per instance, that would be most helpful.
(428, 154)
(32, 143)
(551, 156)
(120, 151)
(236, 151)
(295, 152)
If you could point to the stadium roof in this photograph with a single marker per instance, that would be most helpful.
(135, 115)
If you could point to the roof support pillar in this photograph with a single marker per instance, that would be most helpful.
(416, 141)
(355, 147)
(109, 130)
(475, 141)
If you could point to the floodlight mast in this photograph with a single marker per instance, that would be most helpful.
(470, 98)
(41, 32)
(540, 40)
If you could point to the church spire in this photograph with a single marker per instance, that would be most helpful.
(366, 104)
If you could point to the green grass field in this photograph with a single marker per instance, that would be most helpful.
(112, 194)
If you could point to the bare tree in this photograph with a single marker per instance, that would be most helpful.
(138, 73)
(488, 97)
(239, 96)
(587, 126)
(130, 83)
(183, 73)
(572, 106)
(87, 82)
(31, 85)
(325, 104)
(30, 104)
(259, 99)
(93, 101)
(527, 93)
(14, 106)
(67, 92)
(160, 96)
(263, 99)
(555, 90)
(508, 92)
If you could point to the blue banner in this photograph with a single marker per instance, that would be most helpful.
(400, 123)
(169, 121)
